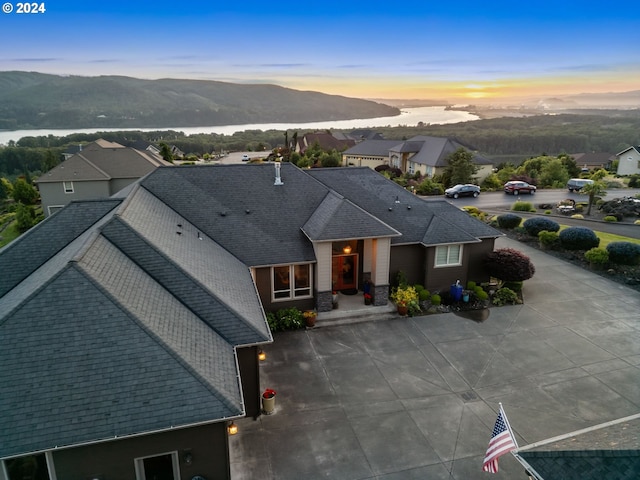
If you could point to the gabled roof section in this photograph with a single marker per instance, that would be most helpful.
(102, 160)
(403, 211)
(256, 221)
(610, 450)
(435, 150)
(27, 253)
(338, 219)
(207, 279)
(108, 372)
(374, 148)
(636, 148)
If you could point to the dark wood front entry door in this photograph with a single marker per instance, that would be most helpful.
(344, 270)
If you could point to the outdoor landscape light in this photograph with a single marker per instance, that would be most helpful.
(232, 428)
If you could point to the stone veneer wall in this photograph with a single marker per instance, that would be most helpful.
(324, 301)
(380, 295)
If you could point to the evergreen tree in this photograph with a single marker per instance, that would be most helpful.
(460, 168)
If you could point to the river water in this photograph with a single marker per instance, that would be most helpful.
(408, 117)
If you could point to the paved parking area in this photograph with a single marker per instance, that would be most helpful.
(411, 398)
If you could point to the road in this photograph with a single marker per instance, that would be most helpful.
(499, 202)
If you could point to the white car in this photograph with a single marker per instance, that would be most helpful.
(245, 158)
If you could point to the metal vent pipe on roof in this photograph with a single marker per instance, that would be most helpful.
(278, 179)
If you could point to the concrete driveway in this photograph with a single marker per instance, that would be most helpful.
(416, 398)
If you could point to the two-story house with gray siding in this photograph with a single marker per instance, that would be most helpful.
(99, 170)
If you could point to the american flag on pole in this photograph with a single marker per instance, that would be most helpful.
(502, 441)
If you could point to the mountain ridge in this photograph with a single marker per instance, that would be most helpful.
(40, 100)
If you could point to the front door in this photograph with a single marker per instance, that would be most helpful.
(344, 270)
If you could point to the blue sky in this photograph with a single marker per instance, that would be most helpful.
(459, 51)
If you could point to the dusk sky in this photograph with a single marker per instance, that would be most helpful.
(460, 51)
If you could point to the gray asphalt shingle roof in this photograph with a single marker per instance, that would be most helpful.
(611, 450)
(103, 161)
(419, 221)
(119, 326)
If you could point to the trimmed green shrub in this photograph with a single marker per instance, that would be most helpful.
(504, 296)
(523, 207)
(471, 285)
(435, 299)
(624, 253)
(515, 286)
(610, 218)
(424, 295)
(637, 222)
(548, 239)
(508, 221)
(578, 238)
(577, 215)
(547, 212)
(285, 319)
(597, 256)
(509, 265)
(480, 293)
(418, 288)
(533, 226)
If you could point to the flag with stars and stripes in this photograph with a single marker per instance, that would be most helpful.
(502, 441)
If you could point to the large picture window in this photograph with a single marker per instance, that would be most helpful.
(291, 281)
(448, 255)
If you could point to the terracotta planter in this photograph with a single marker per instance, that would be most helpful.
(403, 309)
(311, 321)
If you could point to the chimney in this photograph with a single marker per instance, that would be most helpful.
(278, 179)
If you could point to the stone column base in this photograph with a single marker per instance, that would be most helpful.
(380, 295)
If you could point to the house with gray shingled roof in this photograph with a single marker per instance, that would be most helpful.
(420, 154)
(98, 170)
(128, 341)
(130, 326)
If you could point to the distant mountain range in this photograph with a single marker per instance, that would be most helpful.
(37, 100)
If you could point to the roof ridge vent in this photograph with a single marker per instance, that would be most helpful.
(278, 178)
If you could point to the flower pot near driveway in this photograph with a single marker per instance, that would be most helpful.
(403, 309)
(268, 401)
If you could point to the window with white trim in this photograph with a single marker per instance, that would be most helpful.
(291, 281)
(165, 465)
(448, 255)
(68, 187)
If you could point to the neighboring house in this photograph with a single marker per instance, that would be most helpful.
(326, 141)
(359, 135)
(99, 170)
(629, 161)
(128, 342)
(593, 160)
(610, 450)
(421, 154)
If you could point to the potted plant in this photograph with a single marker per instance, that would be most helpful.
(367, 298)
(310, 318)
(403, 296)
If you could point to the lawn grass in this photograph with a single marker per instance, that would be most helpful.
(9, 234)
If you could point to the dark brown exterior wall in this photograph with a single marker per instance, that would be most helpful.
(441, 279)
(250, 377)
(410, 260)
(115, 459)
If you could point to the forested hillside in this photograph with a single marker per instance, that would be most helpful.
(35, 100)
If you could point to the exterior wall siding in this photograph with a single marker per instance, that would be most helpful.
(629, 163)
(53, 193)
(410, 259)
(115, 459)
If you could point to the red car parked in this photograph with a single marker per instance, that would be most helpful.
(516, 188)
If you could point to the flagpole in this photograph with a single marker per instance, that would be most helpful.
(506, 420)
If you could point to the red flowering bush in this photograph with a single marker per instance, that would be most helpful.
(509, 265)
